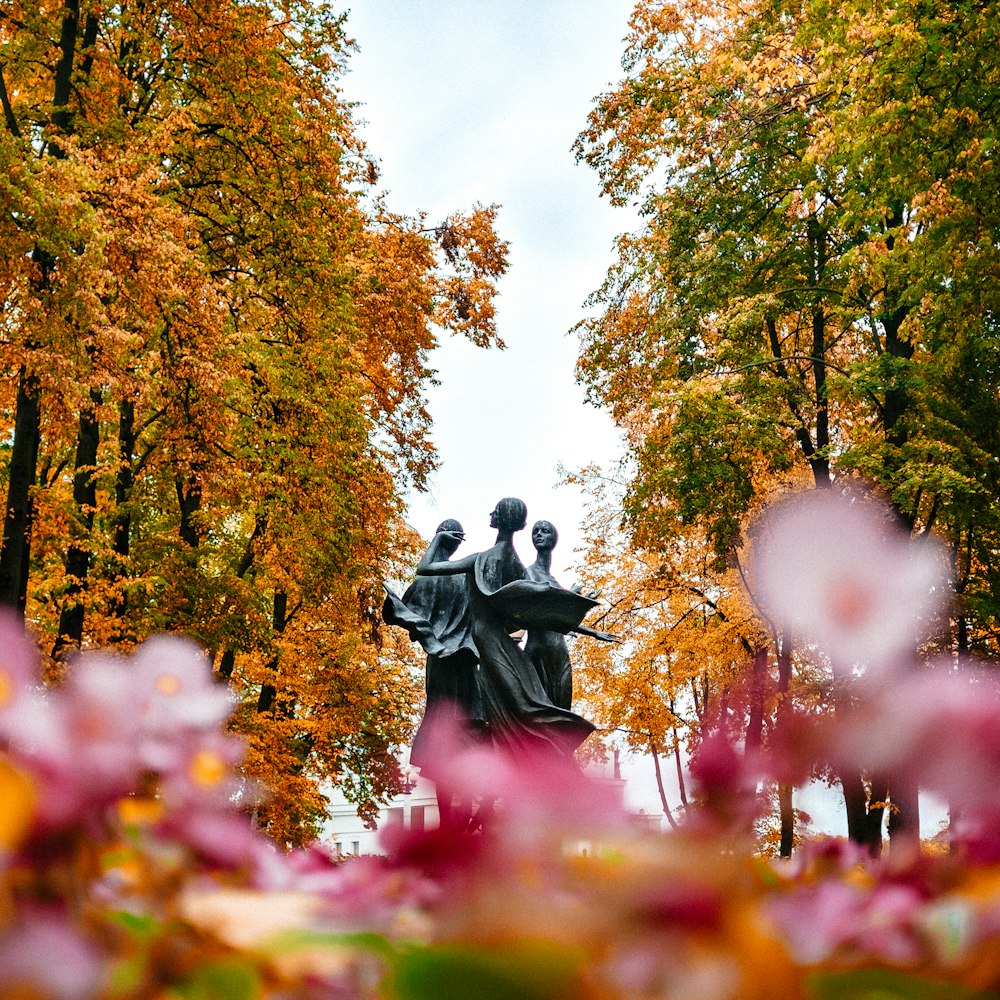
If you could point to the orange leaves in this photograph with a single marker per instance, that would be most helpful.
(197, 279)
(474, 258)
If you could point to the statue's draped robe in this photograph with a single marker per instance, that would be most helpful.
(435, 612)
(518, 710)
(549, 654)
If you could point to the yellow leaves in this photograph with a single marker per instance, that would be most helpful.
(193, 273)
(18, 797)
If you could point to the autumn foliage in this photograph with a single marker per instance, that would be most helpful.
(214, 350)
(811, 302)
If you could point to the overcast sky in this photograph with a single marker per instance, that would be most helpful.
(475, 100)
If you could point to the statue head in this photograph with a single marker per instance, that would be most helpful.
(544, 535)
(450, 524)
(510, 514)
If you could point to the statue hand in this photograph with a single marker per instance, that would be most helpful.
(607, 636)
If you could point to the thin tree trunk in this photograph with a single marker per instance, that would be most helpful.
(268, 692)
(15, 555)
(121, 536)
(786, 813)
(77, 562)
(785, 810)
(124, 480)
(660, 788)
(681, 785)
(755, 722)
(189, 503)
(228, 659)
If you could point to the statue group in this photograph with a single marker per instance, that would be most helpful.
(466, 613)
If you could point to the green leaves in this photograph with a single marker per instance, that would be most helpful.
(521, 971)
(886, 984)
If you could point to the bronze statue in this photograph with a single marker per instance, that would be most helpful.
(435, 612)
(547, 649)
(502, 598)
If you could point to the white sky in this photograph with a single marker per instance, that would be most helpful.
(479, 100)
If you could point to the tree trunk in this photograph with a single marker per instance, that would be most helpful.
(16, 553)
(660, 788)
(77, 563)
(679, 766)
(121, 536)
(268, 692)
(786, 813)
(189, 503)
(855, 805)
(758, 683)
(228, 659)
(904, 819)
(864, 816)
(819, 461)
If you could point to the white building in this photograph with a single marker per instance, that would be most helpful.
(416, 809)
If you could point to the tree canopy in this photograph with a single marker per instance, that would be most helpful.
(215, 339)
(812, 297)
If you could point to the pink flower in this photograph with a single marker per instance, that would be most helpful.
(840, 572)
(727, 783)
(42, 954)
(220, 835)
(80, 741)
(20, 679)
(115, 719)
(938, 727)
(199, 769)
(533, 790)
(175, 690)
(836, 920)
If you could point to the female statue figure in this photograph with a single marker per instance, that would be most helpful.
(519, 713)
(547, 649)
(435, 611)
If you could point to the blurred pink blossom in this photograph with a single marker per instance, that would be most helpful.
(200, 767)
(80, 741)
(839, 571)
(937, 726)
(20, 677)
(174, 690)
(535, 790)
(841, 920)
(43, 955)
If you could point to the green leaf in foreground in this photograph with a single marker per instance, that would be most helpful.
(523, 972)
(887, 984)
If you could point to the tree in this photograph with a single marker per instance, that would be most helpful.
(215, 343)
(813, 279)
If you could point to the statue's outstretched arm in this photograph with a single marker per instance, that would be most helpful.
(594, 634)
(430, 567)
